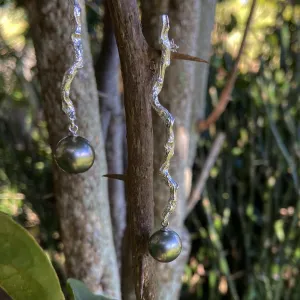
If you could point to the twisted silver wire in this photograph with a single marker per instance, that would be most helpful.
(166, 47)
(67, 104)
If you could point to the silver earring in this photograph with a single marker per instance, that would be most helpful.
(165, 244)
(74, 154)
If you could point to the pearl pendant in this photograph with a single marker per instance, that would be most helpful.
(165, 245)
(74, 154)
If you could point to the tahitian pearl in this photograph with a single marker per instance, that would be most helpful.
(165, 245)
(74, 154)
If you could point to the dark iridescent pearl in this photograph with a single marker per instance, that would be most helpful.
(165, 245)
(74, 154)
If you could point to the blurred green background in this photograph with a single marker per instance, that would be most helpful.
(246, 235)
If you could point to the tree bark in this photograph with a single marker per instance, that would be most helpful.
(178, 95)
(207, 17)
(82, 199)
(112, 121)
(135, 57)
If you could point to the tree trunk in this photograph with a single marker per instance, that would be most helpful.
(178, 95)
(135, 57)
(201, 73)
(82, 199)
(112, 121)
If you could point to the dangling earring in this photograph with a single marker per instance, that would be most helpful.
(73, 153)
(165, 244)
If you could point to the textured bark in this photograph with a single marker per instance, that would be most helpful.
(112, 121)
(82, 199)
(201, 73)
(179, 92)
(178, 96)
(127, 277)
(135, 58)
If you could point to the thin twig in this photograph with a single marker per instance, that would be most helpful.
(182, 56)
(103, 95)
(226, 92)
(201, 180)
(121, 177)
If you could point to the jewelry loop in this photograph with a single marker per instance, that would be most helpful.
(164, 224)
(73, 128)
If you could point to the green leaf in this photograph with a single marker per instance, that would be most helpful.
(212, 279)
(79, 291)
(25, 270)
(279, 230)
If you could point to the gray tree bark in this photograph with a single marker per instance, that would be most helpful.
(180, 96)
(207, 18)
(82, 200)
(112, 121)
(177, 96)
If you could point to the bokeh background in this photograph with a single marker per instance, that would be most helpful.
(245, 233)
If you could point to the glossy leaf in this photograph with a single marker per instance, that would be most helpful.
(79, 291)
(25, 270)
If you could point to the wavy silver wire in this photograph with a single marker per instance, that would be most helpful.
(166, 47)
(67, 104)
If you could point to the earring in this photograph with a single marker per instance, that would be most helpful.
(74, 154)
(165, 244)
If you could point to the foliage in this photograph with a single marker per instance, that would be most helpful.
(79, 291)
(26, 190)
(26, 272)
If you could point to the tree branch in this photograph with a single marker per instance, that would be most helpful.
(227, 90)
(135, 57)
(121, 177)
(182, 56)
(201, 180)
